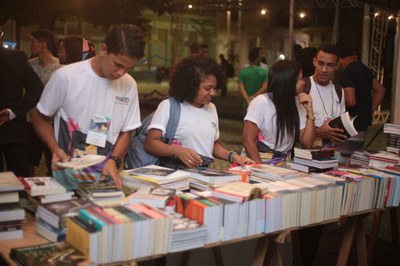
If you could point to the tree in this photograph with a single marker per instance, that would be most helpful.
(97, 12)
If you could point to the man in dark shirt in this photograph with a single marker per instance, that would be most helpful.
(20, 90)
(359, 84)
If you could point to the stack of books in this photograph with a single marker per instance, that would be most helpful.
(360, 158)
(102, 193)
(314, 160)
(12, 215)
(120, 233)
(155, 197)
(268, 173)
(383, 159)
(186, 233)
(207, 179)
(155, 176)
(393, 139)
(51, 218)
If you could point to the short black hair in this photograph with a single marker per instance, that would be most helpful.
(125, 39)
(254, 54)
(345, 49)
(48, 37)
(329, 49)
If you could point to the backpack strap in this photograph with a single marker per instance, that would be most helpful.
(307, 88)
(174, 116)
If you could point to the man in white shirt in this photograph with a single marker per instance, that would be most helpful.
(328, 98)
(94, 103)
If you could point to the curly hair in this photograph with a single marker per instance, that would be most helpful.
(187, 75)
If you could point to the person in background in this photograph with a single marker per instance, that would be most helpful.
(204, 51)
(280, 116)
(193, 82)
(44, 62)
(95, 92)
(74, 49)
(363, 95)
(253, 80)
(20, 90)
(194, 49)
(225, 68)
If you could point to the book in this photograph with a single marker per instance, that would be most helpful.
(238, 192)
(56, 253)
(100, 189)
(82, 161)
(56, 197)
(212, 176)
(345, 122)
(11, 233)
(11, 212)
(38, 186)
(49, 232)
(307, 168)
(9, 197)
(10, 182)
(56, 213)
(155, 197)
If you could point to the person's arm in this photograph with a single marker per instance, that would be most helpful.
(154, 145)
(307, 134)
(243, 92)
(119, 150)
(378, 93)
(261, 90)
(221, 153)
(44, 130)
(350, 96)
(249, 138)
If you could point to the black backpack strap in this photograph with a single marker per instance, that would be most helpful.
(338, 90)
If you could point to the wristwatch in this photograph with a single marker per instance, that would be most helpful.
(117, 160)
(310, 117)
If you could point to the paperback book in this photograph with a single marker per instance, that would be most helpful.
(39, 186)
(10, 182)
(212, 176)
(82, 161)
(155, 197)
(345, 122)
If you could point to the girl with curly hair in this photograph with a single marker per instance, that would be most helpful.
(193, 82)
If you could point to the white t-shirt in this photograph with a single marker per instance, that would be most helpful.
(262, 112)
(75, 93)
(326, 103)
(197, 129)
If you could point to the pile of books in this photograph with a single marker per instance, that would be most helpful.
(155, 176)
(207, 179)
(155, 197)
(12, 215)
(314, 160)
(51, 218)
(102, 193)
(120, 233)
(393, 139)
(382, 159)
(269, 173)
(360, 158)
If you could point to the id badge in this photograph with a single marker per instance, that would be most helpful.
(98, 131)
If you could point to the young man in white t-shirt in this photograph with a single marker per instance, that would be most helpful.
(326, 102)
(94, 103)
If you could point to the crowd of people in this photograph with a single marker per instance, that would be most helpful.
(282, 106)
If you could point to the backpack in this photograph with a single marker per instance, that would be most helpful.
(307, 88)
(137, 156)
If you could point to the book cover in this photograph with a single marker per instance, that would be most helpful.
(156, 197)
(57, 253)
(100, 189)
(10, 182)
(213, 176)
(345, 122)
(38, 186)
(82, 161)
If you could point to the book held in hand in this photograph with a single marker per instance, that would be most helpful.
(82, 161)
(345, 122)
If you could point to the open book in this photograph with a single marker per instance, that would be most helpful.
(82, 161)
(345, 122)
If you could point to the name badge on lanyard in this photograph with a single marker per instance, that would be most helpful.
(98, 131)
